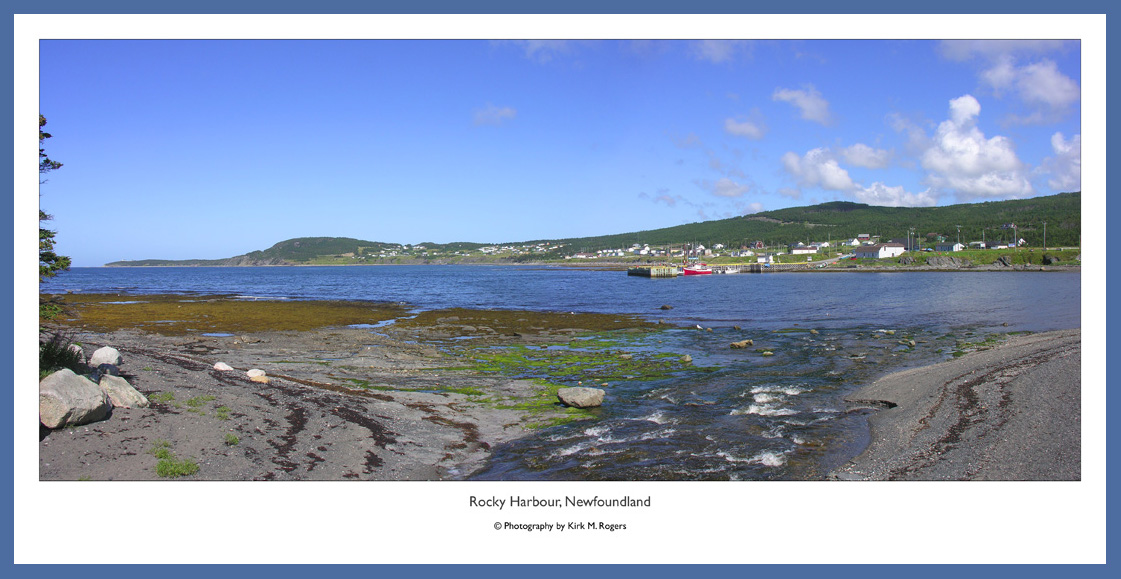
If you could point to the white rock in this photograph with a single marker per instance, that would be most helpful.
(105, 355)
(67, 399)
(255, 372)
(222, 367)
(78, 350)
(581, 397)
(121, 393)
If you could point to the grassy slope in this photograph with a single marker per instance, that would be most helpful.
(827, 221)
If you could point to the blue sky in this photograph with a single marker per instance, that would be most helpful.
(206, 149)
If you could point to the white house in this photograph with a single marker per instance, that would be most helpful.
(795, 250)
(948, 246)
(880, 250)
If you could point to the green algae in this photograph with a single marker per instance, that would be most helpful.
(586, 362)
(177, 315)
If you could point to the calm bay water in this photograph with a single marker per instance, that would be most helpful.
(748, 417)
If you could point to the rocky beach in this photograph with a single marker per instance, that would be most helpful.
(328, 391)
(333, 403)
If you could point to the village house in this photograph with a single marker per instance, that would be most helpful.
(880, 250)
(949, 246)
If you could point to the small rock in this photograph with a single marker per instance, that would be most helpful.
(625, 356)
(581, 397)
(813, 331)
(742, 344)
(686, 359)
(78, 350)
(768, 353)
(255, 373)
(666, 307)
(735, 328)
(121, 394)
(105, 355)
(260, 379)
(708, 329)
(223, 367)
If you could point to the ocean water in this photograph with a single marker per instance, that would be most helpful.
(747, 416)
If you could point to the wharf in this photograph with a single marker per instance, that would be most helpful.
(672, 271)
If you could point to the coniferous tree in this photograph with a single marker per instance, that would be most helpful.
(50, 263)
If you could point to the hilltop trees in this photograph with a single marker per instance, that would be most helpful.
(50, 263)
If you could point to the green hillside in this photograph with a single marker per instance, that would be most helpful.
(824, 222)
(845, 220)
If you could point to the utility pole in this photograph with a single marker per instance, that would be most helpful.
(959, 233)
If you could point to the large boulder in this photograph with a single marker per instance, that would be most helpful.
(121, 394)
(105, 355)
(581, 397)
(67, 399)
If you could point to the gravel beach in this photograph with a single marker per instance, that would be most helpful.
(1009, 413)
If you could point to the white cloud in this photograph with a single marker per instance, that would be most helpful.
(917, 141)
(962, 160)
(809, 102)
(1039, 85)
(862, 155)
(724, 187)
(1065, 168)
(791, 192)
(1041, 82)
(750, 208)
(493, 115)
(882, 195)
(1020, 70)
(961, 50)
(541, 51)
(689, 141)
(818, 168)
(718, 50)
(747, 129)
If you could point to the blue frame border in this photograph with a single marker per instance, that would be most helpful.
(570, 6)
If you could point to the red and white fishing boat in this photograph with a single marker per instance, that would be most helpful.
(696, 269)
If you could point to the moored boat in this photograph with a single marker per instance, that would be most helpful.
(697, 269)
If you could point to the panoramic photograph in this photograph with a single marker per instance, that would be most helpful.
(560, 260)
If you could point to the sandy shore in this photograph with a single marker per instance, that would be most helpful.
(1010, 413)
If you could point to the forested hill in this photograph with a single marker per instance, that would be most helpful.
(845, 220)
(837, 220)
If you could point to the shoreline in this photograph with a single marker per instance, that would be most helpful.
(393, 404)
(1009, 413)
(340, 403)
